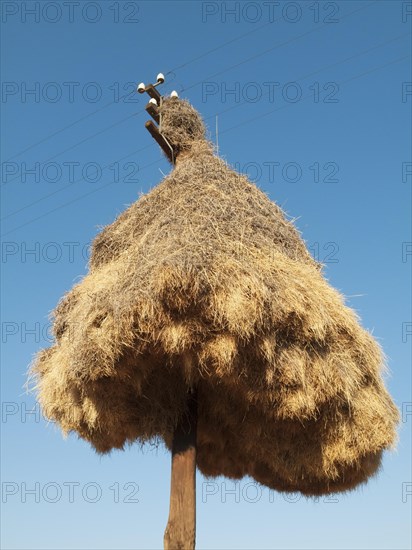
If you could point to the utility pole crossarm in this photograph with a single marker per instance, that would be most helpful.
(153, 109)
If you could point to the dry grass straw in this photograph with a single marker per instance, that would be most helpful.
(203, 281)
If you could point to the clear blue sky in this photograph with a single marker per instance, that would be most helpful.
(319, 115)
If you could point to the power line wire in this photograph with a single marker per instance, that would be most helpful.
(207, 118)
(191, 86)
(171, 71)
(225, 131)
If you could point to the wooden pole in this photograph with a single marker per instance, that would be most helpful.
(180, 533)
(154, 132)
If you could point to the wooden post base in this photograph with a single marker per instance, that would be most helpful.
(180, 531)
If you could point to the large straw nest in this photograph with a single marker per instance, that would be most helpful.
(204, 283)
